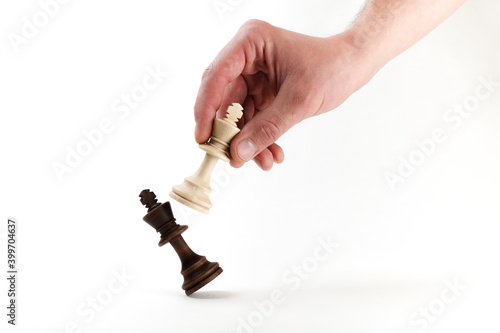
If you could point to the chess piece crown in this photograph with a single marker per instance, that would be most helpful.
(195, 191)
(196, 270)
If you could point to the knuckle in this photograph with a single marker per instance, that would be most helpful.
(207, 72)
(270, 130)
(255, 26)
(253, 23)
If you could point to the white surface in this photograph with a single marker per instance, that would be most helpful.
(396, 248)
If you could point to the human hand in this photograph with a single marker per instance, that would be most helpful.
(281, 78)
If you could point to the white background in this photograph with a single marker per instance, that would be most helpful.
(397, 248)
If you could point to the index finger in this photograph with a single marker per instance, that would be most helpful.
(226, 67)
(238, 57)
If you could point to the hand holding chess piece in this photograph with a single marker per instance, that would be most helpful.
(195, 191)
(196, 269)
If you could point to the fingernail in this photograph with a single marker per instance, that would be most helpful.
(246, 150)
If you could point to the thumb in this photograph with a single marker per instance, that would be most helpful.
(263, 130)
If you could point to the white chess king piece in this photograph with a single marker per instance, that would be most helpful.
(195, 191)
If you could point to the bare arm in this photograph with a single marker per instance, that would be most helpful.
(386, 28)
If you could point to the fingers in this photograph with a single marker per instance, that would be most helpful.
(273, 153)
(226, 67)
(248, 112)
(264, 160)
(235, 92)
(261, 131)
(277, 153)
(269, 156)
(235, 164)
(244, 54)
(262, 90)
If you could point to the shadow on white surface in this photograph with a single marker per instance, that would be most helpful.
(216, 294)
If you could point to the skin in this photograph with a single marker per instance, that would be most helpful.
(282, 77)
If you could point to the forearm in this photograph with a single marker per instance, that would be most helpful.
(386, 28)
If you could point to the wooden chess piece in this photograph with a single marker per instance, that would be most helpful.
(196, 269)
(195, 191)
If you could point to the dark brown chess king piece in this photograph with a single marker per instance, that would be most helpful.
(196, 269)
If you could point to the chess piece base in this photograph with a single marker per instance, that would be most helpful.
(189, 203)
(194, 192)
(204, 282)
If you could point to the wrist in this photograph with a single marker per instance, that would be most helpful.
(362, 58)
(366, 48)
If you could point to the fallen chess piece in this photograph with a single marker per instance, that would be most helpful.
(195, 191)
(196, 269)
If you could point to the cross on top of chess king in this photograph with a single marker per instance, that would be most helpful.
(194, 192)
